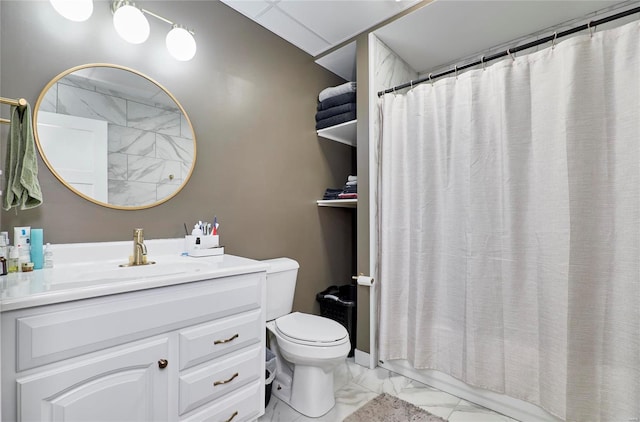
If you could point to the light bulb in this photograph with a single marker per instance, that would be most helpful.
(74, 10)
(131, 24)
(180, 43)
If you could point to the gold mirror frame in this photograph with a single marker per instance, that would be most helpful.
(184, 118)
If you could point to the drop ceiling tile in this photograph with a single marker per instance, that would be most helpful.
(339, 20)
(249, 8)
(281, 24)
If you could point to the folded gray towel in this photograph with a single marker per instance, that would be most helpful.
(349, 97)
(337, 90)
(334, 111)
(336, 120)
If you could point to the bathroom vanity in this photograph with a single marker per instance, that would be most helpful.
(182, 339)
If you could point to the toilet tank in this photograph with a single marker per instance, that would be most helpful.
(281, 285)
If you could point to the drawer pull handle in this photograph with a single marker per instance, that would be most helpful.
(235, 336)
(162, 363)
(226, 381)
(232, 416)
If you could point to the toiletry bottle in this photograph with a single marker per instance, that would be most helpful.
(5, 236)
(12, 265)
(21, 238)
(23, 260)
(3, 248)
(3, 266)
(37, 253)
(48, 256)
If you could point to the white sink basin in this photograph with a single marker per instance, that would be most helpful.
(112, 271)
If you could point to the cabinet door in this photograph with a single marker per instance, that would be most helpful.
(117, 385)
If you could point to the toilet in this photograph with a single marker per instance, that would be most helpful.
(307, 347)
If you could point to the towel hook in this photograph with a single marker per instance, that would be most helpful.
(553, 41)
(513, 57)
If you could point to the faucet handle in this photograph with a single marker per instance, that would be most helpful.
(138, 235)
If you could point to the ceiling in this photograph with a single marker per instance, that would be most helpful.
(437, 34)
(316, 26)
(447, 31)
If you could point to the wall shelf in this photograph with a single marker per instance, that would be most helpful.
(344, 133)
(338, 203)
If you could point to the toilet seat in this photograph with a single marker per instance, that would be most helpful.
(311, 330)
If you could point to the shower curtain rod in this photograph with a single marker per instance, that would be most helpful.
(21, 102)
(591, 25)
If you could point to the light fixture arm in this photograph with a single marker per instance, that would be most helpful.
(116, 4)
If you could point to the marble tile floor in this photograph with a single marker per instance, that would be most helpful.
(355, 385)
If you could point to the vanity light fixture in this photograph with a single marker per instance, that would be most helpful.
(74, 10)
(130, 22)
(180, 43)
(132, 26)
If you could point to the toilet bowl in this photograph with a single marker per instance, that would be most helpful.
(307, 347)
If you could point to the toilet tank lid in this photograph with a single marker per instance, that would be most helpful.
(277, 265)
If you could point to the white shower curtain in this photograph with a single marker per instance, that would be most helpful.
(509, 227)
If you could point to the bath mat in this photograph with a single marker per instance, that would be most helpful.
(386, 408)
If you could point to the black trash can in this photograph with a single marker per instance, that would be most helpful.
(270, 374)
(339, 303)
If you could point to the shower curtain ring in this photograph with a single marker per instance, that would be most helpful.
(430, 80)
(411, 83)
(513, 57)
(482, 62)
(455, 70)
(553, 41)
(591, 30)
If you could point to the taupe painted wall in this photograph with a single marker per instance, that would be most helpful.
(363, 238)
(251, 97)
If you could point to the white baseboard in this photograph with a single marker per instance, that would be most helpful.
(363, 359)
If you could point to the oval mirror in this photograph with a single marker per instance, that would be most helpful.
(114, 136)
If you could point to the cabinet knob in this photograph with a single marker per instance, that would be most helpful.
(232, 416)
(162, 363)
(225, 381)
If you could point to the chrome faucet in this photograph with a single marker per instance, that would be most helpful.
(139, 248)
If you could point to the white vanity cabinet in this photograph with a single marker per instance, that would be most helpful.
(192, 351)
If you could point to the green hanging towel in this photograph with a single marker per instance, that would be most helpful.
(21, 165)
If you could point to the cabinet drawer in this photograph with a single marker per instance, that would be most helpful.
(94, 324)
(214, 339)
(223, 375)
(241, 405)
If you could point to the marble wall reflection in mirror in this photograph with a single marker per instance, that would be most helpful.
(114, 136)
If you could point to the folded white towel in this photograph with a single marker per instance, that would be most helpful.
(337, 90)
(352, 179)
(352, 183)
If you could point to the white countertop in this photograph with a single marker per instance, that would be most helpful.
(85, 270)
